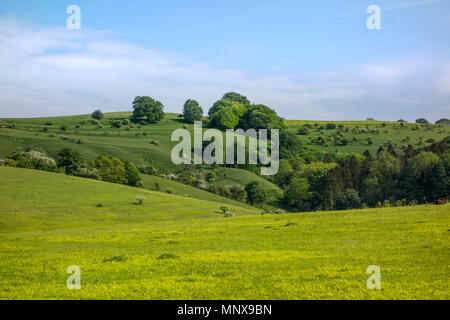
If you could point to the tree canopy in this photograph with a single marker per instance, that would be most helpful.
(192, 111)
(147, 109)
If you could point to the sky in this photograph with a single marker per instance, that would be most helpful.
(314, 60)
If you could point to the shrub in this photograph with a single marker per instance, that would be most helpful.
(330, 126)
(303, 131)
(49, 123)
(116, 124)
(140, 199)
(154, 142)
(224, 209)
(64, 127)
(34, 159)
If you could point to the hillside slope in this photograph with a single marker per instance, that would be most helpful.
(54, 201)
(174, 247)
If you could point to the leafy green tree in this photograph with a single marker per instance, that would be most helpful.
(297, 194)
(132, 174)
(260, 117)
(224, 119)
(379, 183)
(422, 120)
(97, 115)
(414, 182)
(288, 143)
(192, 111)
(256, 193)
(348, 199)
(147, 109)
(237, 193)
(443, 122)
(111, 169)
(233, 96)
(71, 161)
(284, 175)
(440, 178)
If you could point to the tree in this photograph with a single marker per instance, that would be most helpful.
(297, 194)
(225, 114)
(288, 143)
(422, 120)
(192, 111)
(443, 122)
(97, 115)
(224, 119)
(233, 96)
(260, 116)
(71, 161)
(284, 175)
(440, 178)
(380, 178)
(348, 199)
(147, 109)
(132, 174)
(414, 182)
(111, 169)
(256, 193)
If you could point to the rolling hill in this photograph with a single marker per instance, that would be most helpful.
(174, 247)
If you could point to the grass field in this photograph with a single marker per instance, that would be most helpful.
(166, 249)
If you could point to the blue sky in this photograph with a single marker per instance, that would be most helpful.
(306, 59)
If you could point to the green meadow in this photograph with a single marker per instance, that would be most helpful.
(177, 247)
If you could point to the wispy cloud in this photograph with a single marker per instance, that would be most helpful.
(53, 71)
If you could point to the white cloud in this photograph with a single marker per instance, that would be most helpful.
(54, 71)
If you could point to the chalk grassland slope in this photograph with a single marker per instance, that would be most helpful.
(133, 144)
(178, 188)
(57, 201)
(166, 249)
(393, 132)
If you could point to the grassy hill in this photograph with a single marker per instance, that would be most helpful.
(133, 144)
(166, 249)
(150, 144)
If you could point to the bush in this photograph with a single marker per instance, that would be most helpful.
(33, 159)
(116, 124)
(330, 126)
(224, 209)
(49, 123)
(140, 199)
(64, 127)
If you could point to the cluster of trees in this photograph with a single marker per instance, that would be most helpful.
(71, 162)
(236, 111)
(353, 181)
